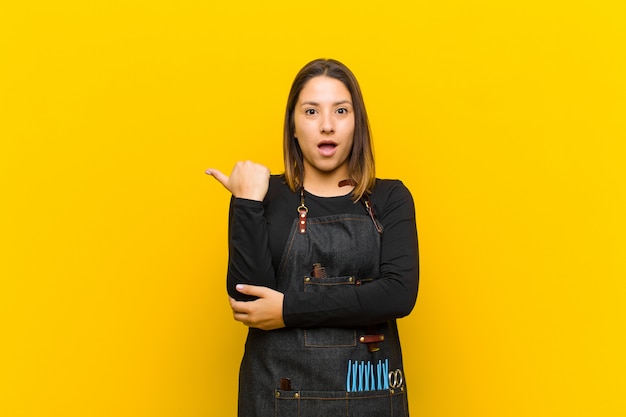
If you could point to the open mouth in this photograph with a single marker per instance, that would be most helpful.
(327, 148)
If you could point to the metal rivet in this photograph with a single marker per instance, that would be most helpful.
(350, 279)
(307, 279)
(296, 395)
(362, 339)
(391, 391)
(277, 394)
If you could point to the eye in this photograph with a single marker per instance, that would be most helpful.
(342, 110)
(310, 112)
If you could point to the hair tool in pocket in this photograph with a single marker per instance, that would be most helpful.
(318, 271)
(365, 376)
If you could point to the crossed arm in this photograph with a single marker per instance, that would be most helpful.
(391, 296)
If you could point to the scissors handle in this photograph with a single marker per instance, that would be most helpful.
(395, 379)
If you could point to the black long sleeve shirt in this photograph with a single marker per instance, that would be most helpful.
(258, 232)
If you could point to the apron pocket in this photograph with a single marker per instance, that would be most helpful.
(328, 337)
(340, 403)
(312, 284)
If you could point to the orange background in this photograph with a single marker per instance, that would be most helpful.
(505, 119)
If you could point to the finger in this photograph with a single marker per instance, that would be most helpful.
(241, 317)
(239, 306)
(219, 176)
(253, 290)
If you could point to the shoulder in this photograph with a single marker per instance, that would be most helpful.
(385, 189)
(278, 184)
(391, 195)
(278, 190)
(278, 179)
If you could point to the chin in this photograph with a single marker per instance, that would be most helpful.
(329, 169)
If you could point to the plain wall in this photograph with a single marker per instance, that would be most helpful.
(505, 119)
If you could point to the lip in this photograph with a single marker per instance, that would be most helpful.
(327, 148)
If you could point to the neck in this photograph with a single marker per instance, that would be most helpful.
(328, 185)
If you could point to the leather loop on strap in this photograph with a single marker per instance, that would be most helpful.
(372, 341)
(302, 219)
(372, 338)
(302, 212)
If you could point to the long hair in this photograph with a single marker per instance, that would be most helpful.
(361, 160)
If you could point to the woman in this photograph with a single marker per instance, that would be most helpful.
(322, 261)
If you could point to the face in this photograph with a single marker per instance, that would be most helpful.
(324, 127)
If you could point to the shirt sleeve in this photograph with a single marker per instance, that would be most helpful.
(391, 296)
(249, 258)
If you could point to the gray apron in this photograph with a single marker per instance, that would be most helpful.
(329, 371)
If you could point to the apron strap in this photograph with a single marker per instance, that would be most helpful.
(303, 210)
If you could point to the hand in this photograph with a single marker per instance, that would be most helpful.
(247, 180)
(265, 313)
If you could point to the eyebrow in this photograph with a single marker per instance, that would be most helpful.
(314, 103)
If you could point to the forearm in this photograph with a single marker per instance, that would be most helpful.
(249, 260)
(376, 302)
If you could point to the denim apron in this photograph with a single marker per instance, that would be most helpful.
(326, 371)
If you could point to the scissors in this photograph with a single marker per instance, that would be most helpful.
(395, 379)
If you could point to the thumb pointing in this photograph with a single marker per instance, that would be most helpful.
(219, 176)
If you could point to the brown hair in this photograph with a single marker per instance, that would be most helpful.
(361, 160)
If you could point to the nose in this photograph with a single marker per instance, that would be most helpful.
(327, 124)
